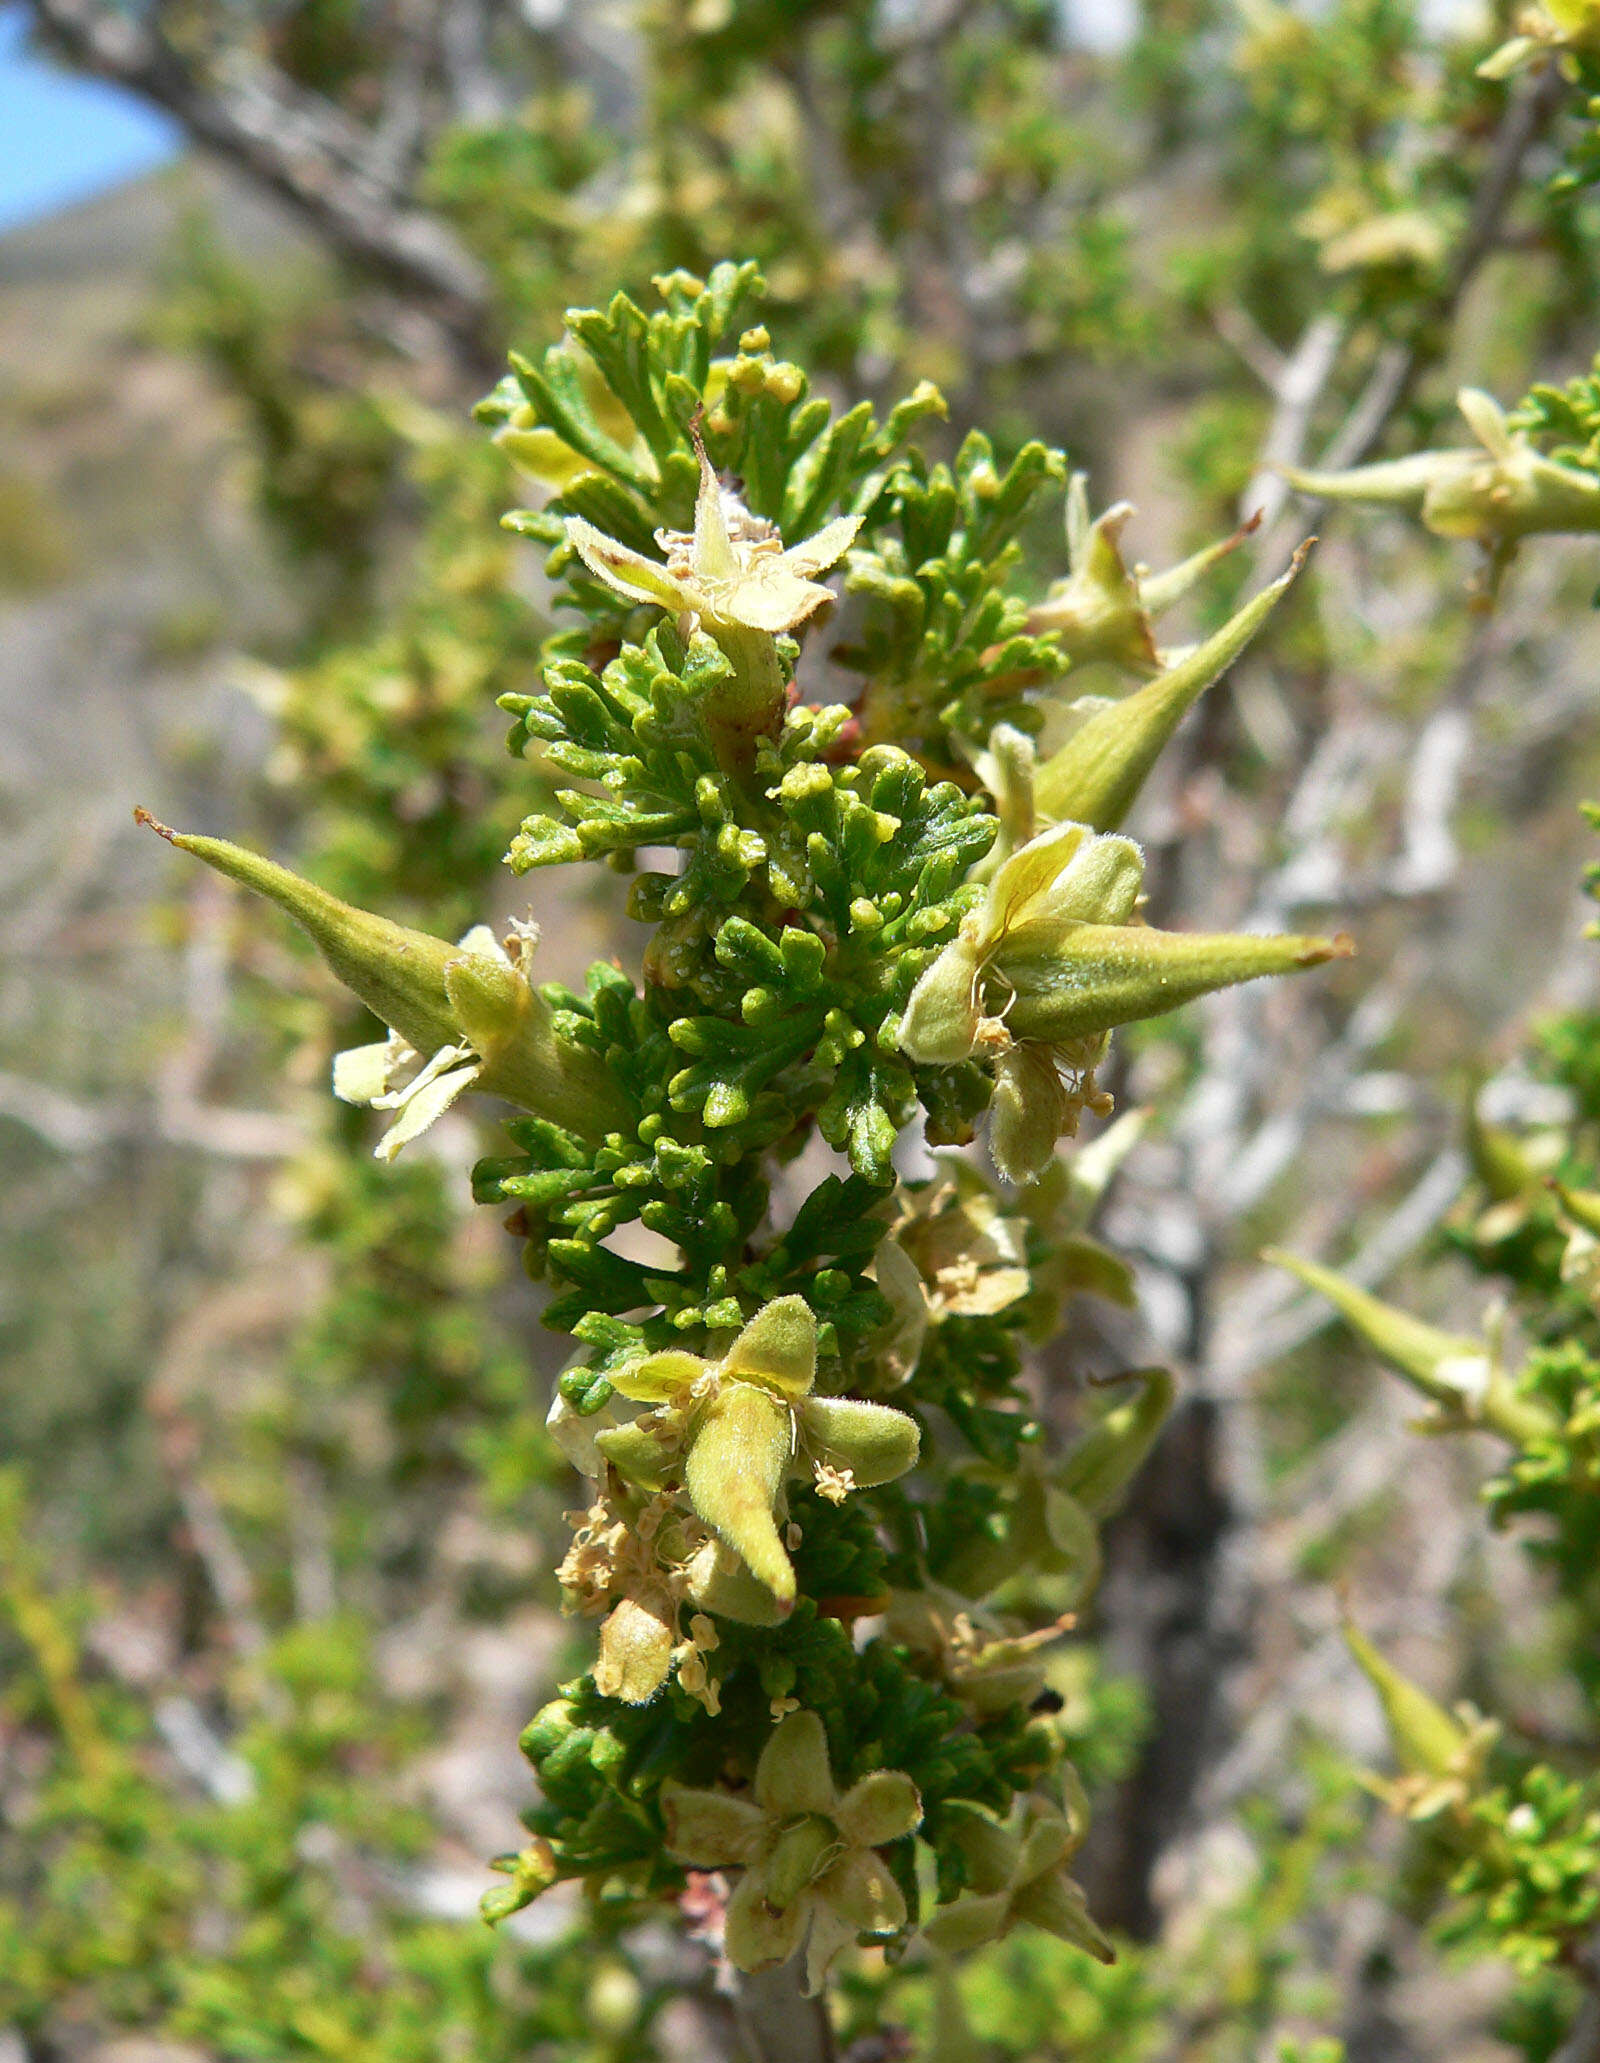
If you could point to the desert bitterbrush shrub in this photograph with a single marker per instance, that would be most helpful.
(823, 1536)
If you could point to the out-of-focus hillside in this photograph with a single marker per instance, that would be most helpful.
(132, 571)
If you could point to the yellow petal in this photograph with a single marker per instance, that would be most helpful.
(361, 1073)
(658, 1378)
(865, 1896)
(880, 1808)
(829, 545)
(707, 1829)
(793, 1776)
(759, 1935)
(425, 1107)
(778, 1347)
(771, 598)
(635, 1652)
(625, 571)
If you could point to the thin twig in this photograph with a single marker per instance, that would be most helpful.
(1298, 385)
(299, 144)
(1398, 365)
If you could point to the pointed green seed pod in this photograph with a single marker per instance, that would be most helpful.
(1582, 1206)
(1497, 1156)
(1426, 1739)
(1453, 1369)
(1092, 977)
(1099, 1469)
(398, 973)
(733, 1473)
(435, 995)
(1097, 774)
(1495, 495)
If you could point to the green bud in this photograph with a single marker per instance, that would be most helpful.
(546, 1730)
(708, 1829)
(969, 1923)
(794, 1774)
(1096, 775)
(533, 1870)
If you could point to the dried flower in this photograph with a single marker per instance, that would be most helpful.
(732, 569)
(1103, 612)
(732, 579)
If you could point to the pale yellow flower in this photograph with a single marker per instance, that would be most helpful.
(812, 1875)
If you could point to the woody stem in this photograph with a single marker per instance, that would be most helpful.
(778, 2023)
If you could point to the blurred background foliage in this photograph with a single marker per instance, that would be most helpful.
(279, 1525)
